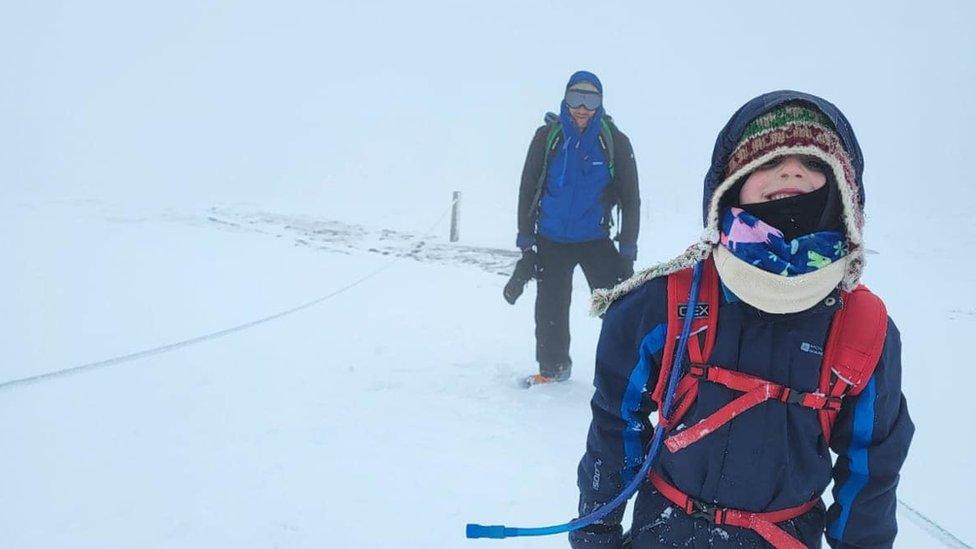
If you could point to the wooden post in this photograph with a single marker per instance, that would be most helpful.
(455, 216)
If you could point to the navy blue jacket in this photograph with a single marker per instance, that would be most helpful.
(770, 457)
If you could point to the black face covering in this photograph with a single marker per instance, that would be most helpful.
(802, 214)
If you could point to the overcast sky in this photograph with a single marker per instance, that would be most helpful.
(376, 105)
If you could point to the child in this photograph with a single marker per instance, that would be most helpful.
(758, 406)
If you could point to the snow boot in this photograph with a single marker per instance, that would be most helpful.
(554, 374)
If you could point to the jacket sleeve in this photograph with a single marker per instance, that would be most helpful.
(531, 172)
(871, 438)
(625, 166)
(626, 369)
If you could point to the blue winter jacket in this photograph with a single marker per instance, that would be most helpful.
(770, 457)
(571, 209)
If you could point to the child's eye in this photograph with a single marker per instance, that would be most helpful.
(815, 164)
(771, 164)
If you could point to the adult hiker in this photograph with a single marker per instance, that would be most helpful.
(788, 357)
(579, 166)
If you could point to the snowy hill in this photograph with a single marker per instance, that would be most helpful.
(386, 416)
(176, 169)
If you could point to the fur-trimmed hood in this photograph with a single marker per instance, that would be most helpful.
(848, 177)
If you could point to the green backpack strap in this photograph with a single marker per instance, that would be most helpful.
(606, 142)
(552, 141)
(555, 131)
(554, 137)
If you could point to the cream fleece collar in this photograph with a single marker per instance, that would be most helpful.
(775, 293)
(850, 268)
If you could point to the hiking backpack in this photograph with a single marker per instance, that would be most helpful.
(554, 137)
(853, 348)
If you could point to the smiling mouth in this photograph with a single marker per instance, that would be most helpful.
(783, 193)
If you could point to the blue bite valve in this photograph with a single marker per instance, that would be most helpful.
(478, 531)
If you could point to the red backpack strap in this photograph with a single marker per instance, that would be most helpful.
(703, 326)
(857, 337)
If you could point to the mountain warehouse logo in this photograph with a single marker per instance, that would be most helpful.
(811, 348)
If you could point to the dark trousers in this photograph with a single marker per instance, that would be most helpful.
(602, 266)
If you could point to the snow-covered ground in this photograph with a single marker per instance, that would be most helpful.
(386, 416)
(169, 170)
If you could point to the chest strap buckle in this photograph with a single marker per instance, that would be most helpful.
(703, 510)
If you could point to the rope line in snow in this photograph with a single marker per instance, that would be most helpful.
(931, 527)
(74, 370)
(928, 525)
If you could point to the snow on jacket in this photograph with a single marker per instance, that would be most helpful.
(770, 457)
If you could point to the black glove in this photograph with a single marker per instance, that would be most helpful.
(626, 268)
(525, 270)
(628, 254)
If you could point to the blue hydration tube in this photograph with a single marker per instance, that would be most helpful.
(499, 531)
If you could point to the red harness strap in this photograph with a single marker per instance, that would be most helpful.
(756, 391)
(853, 348)
(704, 323)
(852, 351)
(762, 523)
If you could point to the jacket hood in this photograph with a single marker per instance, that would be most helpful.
(585, 76)
(731, 134)
(847, 175)
(589, 137)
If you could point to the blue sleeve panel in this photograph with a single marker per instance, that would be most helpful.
(871, 438)
(626, 370)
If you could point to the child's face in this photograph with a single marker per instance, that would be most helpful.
(783, 177)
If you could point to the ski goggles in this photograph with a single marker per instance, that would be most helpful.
(589, 100)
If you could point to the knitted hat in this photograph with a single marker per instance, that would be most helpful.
(794, 127)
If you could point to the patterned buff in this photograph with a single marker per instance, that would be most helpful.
(762, 245)
(791, 128)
